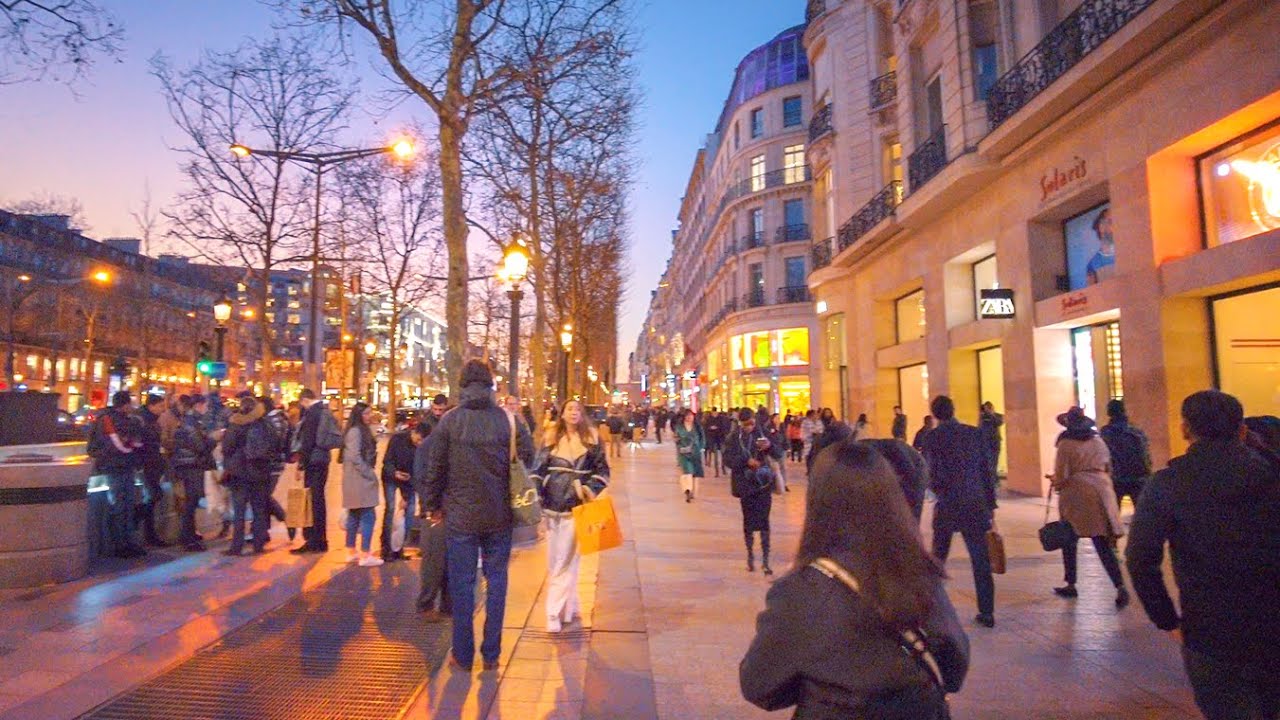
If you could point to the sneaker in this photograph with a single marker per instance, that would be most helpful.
(553, 625)
(352, 556)
(1066, 591)
(370, 561)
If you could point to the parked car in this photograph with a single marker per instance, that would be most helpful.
(71, 428)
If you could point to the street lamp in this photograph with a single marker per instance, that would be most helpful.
(402, 149)
(370, 348)
(515, 267)
(221, 314)
(566, 342)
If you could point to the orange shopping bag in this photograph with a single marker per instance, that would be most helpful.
(596, 526)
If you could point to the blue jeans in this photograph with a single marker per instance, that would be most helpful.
(1228, 691)
(462, 552)
(984, 585)
(389, 490)
(362, 519)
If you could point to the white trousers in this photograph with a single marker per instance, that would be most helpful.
(690, 483)
(562, 568)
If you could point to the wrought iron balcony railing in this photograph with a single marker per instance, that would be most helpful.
(753, 240)
(792, 233)
(873, 213)
(884, 90)
(754, 298)
(814, 9)
(796, 294)
(767, 181)
(1075, 37)
(821, 252)
(928, 159)
(820, 124)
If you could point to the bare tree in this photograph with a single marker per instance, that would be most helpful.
(254, 212)
(47, 203)
(147, 218)
(58, 39)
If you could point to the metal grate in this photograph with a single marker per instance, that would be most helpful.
(352, 649)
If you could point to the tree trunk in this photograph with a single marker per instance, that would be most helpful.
(538, 334)
(266, 371)
(455, 239)
(393, 354)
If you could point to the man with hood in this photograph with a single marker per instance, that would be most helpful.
(247, 452)
(467, 479)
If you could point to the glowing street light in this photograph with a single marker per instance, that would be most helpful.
(566, 342)
(370, 348)
(515, 268)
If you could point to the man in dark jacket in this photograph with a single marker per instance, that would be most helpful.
(247, 451)
(990, 423)
(114, 444)
(151, 458)
(314, 461)
(192, 455)
(833, 431)
(468, 479)
(1130, 453)
(963, 478)
(433, 571)
(899, 431)
(397, 477)
(1218, 507)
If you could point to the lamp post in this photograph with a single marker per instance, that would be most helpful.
(402, 149)
(101, 277)
(515, 267)
(566, 342)
(17, 290)
(370, 348)
(221, 314)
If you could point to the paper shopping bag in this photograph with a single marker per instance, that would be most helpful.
(596, 526)
(297, 509)
(995, 549)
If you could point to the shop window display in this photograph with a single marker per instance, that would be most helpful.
(1091, 247)
(1240, 188)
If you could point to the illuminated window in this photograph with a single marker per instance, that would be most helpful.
(909, 311)
(984, 278)
(295, 319)
(793, 346)
(293, 289)
(1240, 188)
(1245, 332)
(793, 163)
(759, 353)
(294, 305)
(757, 173)
(271, 317)
(736, 361)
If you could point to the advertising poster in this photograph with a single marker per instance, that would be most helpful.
(1091, 247)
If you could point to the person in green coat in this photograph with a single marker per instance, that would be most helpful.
(689, 447)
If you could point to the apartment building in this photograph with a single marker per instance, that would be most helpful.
(1043, 204)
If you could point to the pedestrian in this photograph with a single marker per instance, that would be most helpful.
(316, 432)
(810, 428)
(918, 441)
(862, 428)
(247, 449)
(777, 436)
(836, 652)
(746, 453)
(795, 439)
(550, 419)
(1130, 453)
(899, 424)
(397, 478)
(909, 466)
(990, 423)
(192, 456)
(1086, 500)
(114, 443)
(151, 459)
(1218, 508)
(360, 486)
(833, 431)
(659, 422)
(689, 446)
(433, 593)
(283, 432)
(961, 477)
(570, 469)
(468, 478)
(617, 428)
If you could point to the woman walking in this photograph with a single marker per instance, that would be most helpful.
(840, 636)
(747, 452)
(1086, 499)
(795, 437)
(689, 447)
(360, 486)
(570, 470)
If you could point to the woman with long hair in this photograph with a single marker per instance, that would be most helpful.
(360, 486)
(570, 469)
(838, 636)
(689, 447)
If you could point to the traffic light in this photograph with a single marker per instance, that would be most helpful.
(204, 363)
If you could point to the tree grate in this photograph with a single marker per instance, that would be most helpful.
(352, 649)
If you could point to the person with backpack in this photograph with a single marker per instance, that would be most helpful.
(318, 434)
(114, 444)
(247, 451)
(747, 453)
(191, 456)
(1130, 453)
(862, 626)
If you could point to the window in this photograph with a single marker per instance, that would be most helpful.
(755, 227)
(795, 271)
(982, 38)
(985, 71)
(793, 164)
(933, 104)
(295, 319)
(735, 134)
(1240, 188)
(984, 278)
(793, 346)
(757, 123)
(791, 112)
(1246, 363)
(793, 213)
(909, 311)
(757, 173)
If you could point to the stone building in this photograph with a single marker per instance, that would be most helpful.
(1045, 204)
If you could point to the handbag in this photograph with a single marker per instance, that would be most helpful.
(1057, 534)
(595, 526)
(526, 506)
(995, 550)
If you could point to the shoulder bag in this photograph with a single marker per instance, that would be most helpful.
(526, 507)
(1057, 534)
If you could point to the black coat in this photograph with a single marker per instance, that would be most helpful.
(467, 472)
(555, 477)
(739, 448)
(1218, 507)
(149, 454)
(398, 456)
(832, 432)
(961, 475)
(307, 428)
(822, 648)
(192, 447)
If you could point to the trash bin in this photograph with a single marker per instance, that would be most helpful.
(43, 514)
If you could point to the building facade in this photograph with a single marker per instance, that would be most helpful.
(733, 312)
(1043, 205)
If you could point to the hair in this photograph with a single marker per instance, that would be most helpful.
(942, 408)
(862, 417)
(121, 398)
(477, 372)
(307, 394)
(184, 403)
(356, 420)
(1115, 409)
(1213, 415)
(440, 399)
(857, 515)
(745, 415)
(584, 428)
(267, 403)
(685, 415)
(1097, 219)
(154, 399)
(810, 413)
(421, 428)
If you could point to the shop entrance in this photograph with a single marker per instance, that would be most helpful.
(913, 395)
(991, 389)
(1098, 374)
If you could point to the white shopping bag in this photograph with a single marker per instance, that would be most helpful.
(397, 531)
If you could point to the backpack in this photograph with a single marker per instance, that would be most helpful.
(328, 436)
(1130, 457)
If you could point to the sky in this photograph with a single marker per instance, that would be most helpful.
(106, 140)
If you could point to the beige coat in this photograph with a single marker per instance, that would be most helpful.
(1086, 497)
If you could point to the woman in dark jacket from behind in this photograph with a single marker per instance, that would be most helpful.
(835, 653)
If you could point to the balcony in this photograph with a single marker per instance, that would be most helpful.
(873, 213)
(929, 158)
(820, 124)
(796, 294)
(821, 254)
(792, 233)
(754, 298)
(1075, 37)
(766, 181)
(752, 240)
(884, 91)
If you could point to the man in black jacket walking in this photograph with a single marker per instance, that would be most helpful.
(963, 477)
(467, 478)
(314, 461)
(1218, 507)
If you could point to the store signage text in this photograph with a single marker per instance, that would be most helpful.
(1074, 302)
(1057, 179)
(995, 303)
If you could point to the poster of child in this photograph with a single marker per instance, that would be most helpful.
(1091, 247)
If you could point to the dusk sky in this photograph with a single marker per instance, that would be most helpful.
(107, 139)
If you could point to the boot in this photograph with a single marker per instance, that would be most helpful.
(764, 552)
(751, 551)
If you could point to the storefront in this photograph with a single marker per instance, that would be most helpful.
(1246, 346)
(765, 368)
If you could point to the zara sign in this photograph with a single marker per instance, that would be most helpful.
(995, 304)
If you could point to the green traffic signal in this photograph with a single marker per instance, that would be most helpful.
(204, 367)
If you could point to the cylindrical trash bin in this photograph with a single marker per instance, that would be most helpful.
(43, 516)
